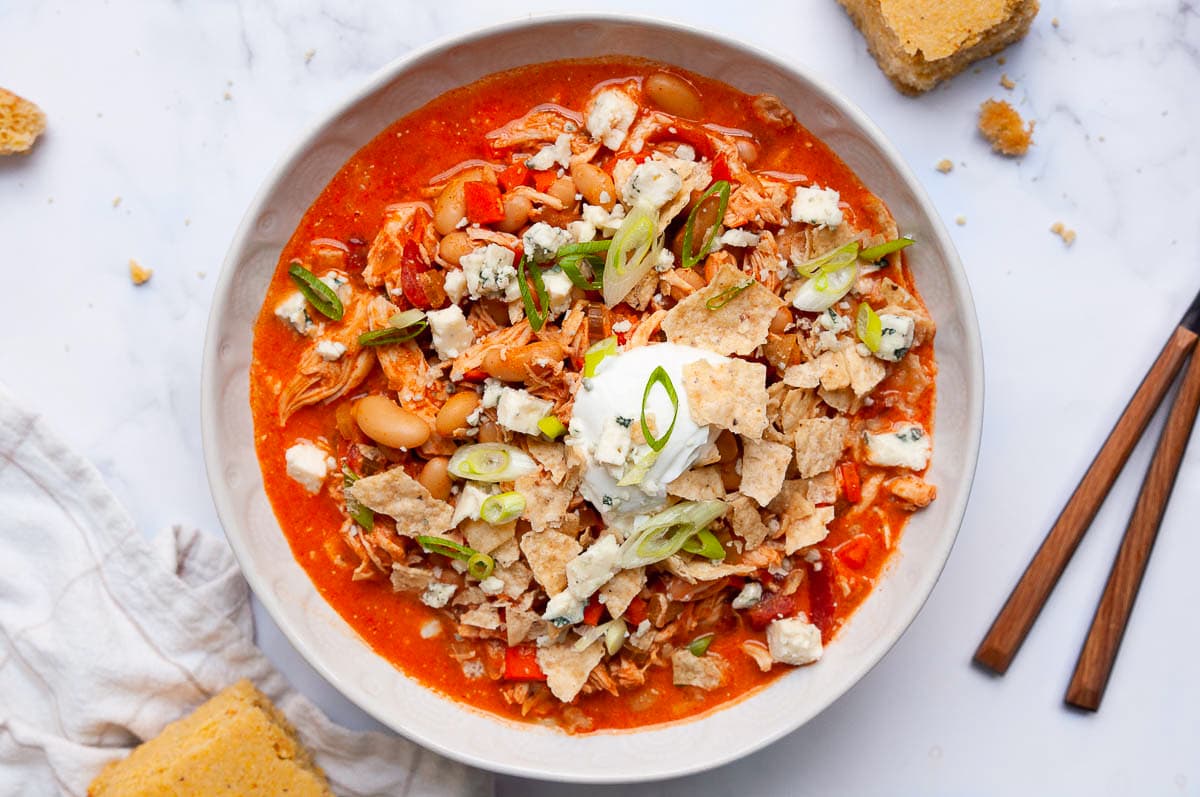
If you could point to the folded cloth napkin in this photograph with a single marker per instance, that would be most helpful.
(105, 638)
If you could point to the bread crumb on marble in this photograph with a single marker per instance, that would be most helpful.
(139, 274)
(21, 122)
(945, 165)
(961, 221)
(1059, 229)
(1007, 82)
(1004, 128)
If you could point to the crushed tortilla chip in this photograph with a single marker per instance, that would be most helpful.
(808, 531)
(545, 502)
(698, 484)
(764, 466)
(621, 589)
(688, 669)
(864, 372)
(567, 669)
(822, 488)
(398, 495)
(731, 395)
(548, 553)
(516, 578)
(486, 538)
(692, 568)
(410, 579)
(819, 443)
(485, 616)
(519, 624)
(551, 456)
(746, 521)
(803, 375)
(737, 327)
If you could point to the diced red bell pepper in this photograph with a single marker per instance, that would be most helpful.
(636, 611)
(773, 607)
(513, 176)
(483, 203)
(822, 605)
(593, 611)
(850, 483)
(412, 264)
(543, 180)
(521, 664)
(720, 169)
(475, 375)
(855, 553)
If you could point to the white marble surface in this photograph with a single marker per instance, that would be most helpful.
(180, 109)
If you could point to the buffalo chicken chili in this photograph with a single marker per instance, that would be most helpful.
(595, 393)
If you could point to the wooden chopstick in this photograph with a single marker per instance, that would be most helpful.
(1108, 626)
(1012, 624)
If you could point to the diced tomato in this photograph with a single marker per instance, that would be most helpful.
(521, 664)
(822, 605)
(855, 553)
(475, 375)
(720, 169)
(593, 611)
(543, 180)
(773, 607)
(412, 264)
(513, 176)
(850, 483)
(636, 611)
(483, 203)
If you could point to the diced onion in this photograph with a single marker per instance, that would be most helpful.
(491, 462)
(632, 253)
(499, 509)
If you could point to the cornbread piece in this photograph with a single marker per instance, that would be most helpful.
(945, 166)
(21, 122)
(1059, 229)
(1004, 128)
(919, 43)
(236, 743)
(139, 274)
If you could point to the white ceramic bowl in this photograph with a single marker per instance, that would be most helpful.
(334, 649)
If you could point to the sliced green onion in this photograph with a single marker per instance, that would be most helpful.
(665, 533)
(551, 427)
(446, 547)
(631, 254)
(835, 260)
(480, 565)
(691, 258)
(570, 267)
(499, 509)
(536, 313)
(360, 514)
(614, 633)
(585, 248)
(876, 253)
(705, 544)
(726, 296)
(659, 376)
(491, 462)
(318, 294)
(824, 290)
(700, 644)
(637, 474)
(390, 335)
(406, 318)
(869, 327)
(597, 352)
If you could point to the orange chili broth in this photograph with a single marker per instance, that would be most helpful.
(391, 168)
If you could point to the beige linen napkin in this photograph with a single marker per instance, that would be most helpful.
(105, 638)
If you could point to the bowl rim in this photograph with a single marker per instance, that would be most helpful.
(210, 410)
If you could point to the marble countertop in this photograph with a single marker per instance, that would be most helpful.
(164, 119)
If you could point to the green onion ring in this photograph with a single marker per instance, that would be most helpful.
(501, 508)
(831, 261)
(690, 259)
(551, 427)
(360, 514)
(728, 295)
(876, 253)
(570, 267)
(390, 335)
(699, 645)
(318, 294)
(585, 248)
(480, 565)
(537, 317)
(596, 353)
(869, 327)
(491, 462)
(705, 544)
(659, 376)
(445, 547)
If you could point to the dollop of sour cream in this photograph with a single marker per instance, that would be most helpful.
(606, 422)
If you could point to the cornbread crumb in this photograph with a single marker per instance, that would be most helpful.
(308, 55)
(237, 742)
(1054, 22)
(138, 273)
(961, 221)
(919, 43)
(1007, 82)
(1004, 128)
(1059, 229)
(21, 122)
(116, 201)
(1001, 60)
(945, 165)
